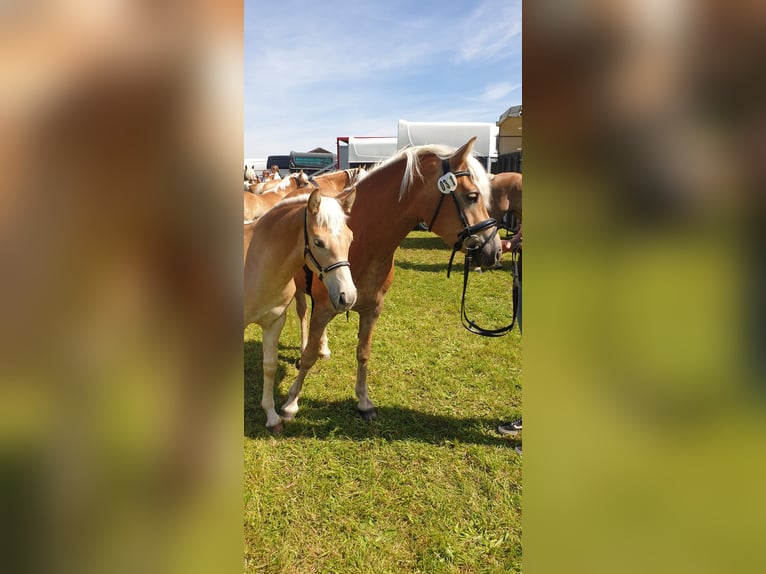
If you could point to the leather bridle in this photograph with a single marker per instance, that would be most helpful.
(468, 236)
(473, 244)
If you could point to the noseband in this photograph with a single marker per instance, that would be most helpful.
(472, 242)
(307, 252)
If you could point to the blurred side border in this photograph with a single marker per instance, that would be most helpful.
(120, 386)
(643, 355)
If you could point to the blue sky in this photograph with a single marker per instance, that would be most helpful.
(318, 70)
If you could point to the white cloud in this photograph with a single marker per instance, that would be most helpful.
(491, 32)
(495, 92)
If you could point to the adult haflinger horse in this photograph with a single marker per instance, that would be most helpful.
(446, 189)
(310, 230)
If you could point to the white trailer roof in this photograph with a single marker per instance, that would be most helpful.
(452, 134)
(370, 149)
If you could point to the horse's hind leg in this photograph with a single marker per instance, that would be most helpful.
(301, 308)
(324, 347)
(270, 348)
(309, 356)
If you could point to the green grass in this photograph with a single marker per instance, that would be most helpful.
(426, 487)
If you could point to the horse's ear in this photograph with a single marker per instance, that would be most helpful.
(314, 200)
(348, 201)
(462, 154)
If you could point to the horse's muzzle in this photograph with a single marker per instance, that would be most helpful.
(345, 302)
(484, 250)
(488, 255)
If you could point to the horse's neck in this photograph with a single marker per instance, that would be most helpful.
(377, 216)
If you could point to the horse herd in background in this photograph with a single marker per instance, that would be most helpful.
(261, 197)
(343, 229)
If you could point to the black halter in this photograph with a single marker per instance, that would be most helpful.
(473, 244)
(307, 251)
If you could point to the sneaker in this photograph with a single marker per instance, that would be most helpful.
(510, 429)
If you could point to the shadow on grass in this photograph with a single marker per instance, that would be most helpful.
(427, 242)
(253, 358)
(340, 420)
(425, 267)
(457, 266)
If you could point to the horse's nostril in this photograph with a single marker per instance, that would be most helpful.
(342, 299)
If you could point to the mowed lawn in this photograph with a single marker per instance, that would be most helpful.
(426, 487)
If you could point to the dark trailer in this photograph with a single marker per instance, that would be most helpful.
(311, 163)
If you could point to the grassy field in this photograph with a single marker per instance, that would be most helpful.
(426, 487)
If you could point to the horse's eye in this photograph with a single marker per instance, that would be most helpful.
(319, 243)
(472, 197)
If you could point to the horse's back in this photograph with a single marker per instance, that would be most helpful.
(505, 191)
(508, 180)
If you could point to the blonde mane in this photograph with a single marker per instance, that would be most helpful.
(283, 184)
(412, 168)
(331, 214)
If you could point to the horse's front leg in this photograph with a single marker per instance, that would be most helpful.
(319, 319)
(301, 308)
(270, 349)
(367, 322)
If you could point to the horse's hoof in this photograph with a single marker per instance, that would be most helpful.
(368, 414)
(276, 429)
(286, 416)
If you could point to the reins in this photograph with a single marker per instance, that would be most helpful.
(471, 325)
